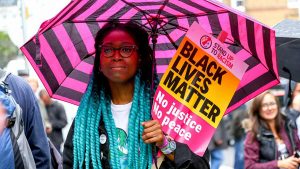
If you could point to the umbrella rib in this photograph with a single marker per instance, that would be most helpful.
(135, 7)
(170, 39)
(287, 42)
(187, 16)
(197, 15)
(145, 14)
(147, 18)
(161, 8)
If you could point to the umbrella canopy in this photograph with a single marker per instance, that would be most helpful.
(62, 50)
(288, 49)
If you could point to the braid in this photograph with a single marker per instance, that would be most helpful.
(112, 136)
(145, 107)
(86, 130)
(148, 117)
(132, 130)
(79, 130)
(96, 139)
(96, 114)
(88, 136)
(142, 146)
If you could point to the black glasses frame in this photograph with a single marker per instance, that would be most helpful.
(120, 49)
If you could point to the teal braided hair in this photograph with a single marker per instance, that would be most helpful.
(96, 105)
(86, 137)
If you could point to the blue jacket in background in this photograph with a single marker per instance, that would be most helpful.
(33, 125)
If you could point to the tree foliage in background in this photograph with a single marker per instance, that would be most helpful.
(8, 50)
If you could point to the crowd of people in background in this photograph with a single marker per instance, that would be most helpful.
(56, 117)
(53, 113)
(24, 110)
(23, 118)
(264, 134)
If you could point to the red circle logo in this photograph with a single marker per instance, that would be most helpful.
(205, 42)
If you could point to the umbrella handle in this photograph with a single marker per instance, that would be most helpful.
(290, 85)
(154, 41)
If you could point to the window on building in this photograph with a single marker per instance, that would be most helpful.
(238, 4)
(293, 3)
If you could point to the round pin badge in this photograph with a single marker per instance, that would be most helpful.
(103, 138)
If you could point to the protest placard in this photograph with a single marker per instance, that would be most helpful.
(196, 89)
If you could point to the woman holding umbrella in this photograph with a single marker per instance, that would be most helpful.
(113, 126)
(272, 142)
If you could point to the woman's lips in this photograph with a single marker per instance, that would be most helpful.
(118, 67)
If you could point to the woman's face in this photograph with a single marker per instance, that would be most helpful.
(269, 108)
(296, 90)
(119, 57)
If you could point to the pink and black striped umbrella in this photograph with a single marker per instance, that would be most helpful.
(62, 50)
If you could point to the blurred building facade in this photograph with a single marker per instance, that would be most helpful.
(269, 12)
(20, 19)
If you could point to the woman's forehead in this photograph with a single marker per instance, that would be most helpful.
(118, 37)
(268, 97)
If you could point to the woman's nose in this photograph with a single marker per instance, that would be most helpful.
(117, 55)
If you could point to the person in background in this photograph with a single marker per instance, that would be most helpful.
(291, 109)
(239, 134)
(296, 108)
(290, 92)
(57, 118)
(272, 142)
(24, 73)
(33, 82)
(218, 143)
(296, 90)
(33, 125)
(296, 103)
(113, 126)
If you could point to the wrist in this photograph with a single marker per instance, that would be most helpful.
(164, 143)
(170, 147)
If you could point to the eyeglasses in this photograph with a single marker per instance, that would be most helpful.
(125, 51)
(266, 105)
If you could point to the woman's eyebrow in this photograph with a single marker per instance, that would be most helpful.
(122, 43)
(109, 43)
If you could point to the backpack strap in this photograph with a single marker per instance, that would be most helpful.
(22, 153)
(4, 88)
(3, 75)
(20, 142)
(3, 84)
